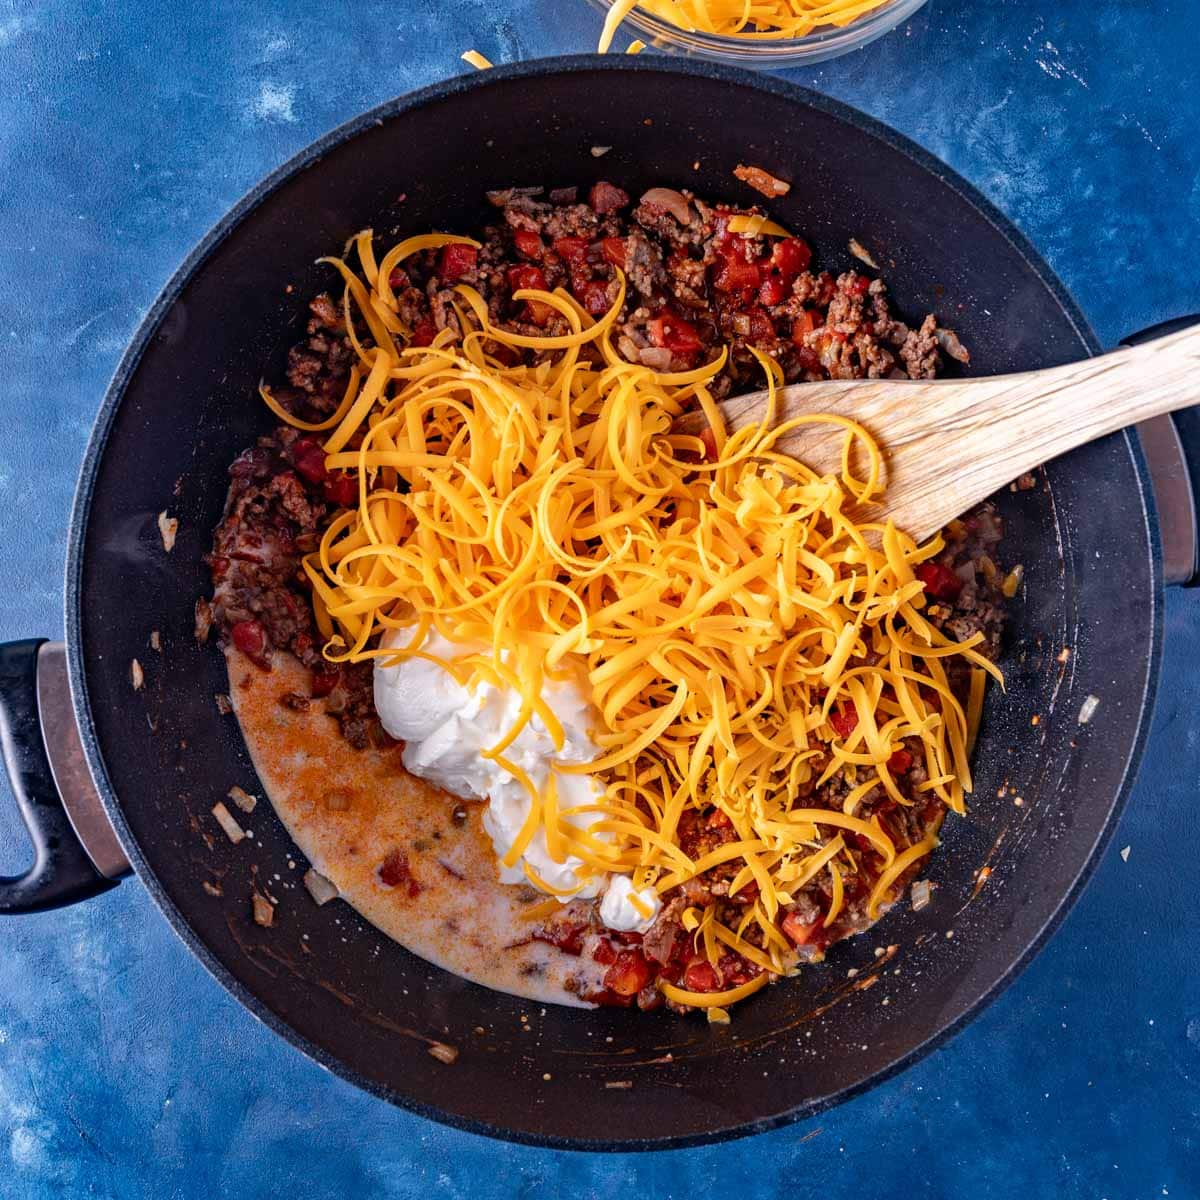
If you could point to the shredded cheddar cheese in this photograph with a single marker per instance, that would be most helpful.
(745, 640)
(762, 20)
(753, 226)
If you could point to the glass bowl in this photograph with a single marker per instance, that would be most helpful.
(823, 43)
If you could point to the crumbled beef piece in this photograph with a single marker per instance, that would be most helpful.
(643, 264)
(920, 353)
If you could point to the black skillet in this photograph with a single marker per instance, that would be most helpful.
(182, 405)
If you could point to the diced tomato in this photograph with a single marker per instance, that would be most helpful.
(790, 256)
(605, 953)
(398, 278)
(735, 275)
(628, 974)
(844, 721)
(593, 295)
(805, 324)
(249, 637)
(674, 333)
(456, 261)
(533, 279)
(773, 290)
(424, 333)
(719, 819)
(628, 937)
(572, 250)
(323, 682)
(395, 872)
(309, 459)
(526, 277)
(701, 977)
(858, 285)
(605, 197)
(566, 935)
(900, 761)
(341, 489)
(614, 251)
(797, 931)
(940, 582)
(529, 244)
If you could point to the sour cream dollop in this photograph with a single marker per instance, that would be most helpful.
(622, 906)
(446, 727)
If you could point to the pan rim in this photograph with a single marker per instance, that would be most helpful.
(175, 287)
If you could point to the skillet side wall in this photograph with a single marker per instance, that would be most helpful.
(332, 983)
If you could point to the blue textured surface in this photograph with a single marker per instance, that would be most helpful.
(124, 1070)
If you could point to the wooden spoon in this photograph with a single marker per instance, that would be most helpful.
(948, 444)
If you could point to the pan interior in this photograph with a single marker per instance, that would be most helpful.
(1046, 788)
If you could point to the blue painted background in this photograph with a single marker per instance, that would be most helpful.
(126, 130)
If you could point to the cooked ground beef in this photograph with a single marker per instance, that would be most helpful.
(693, 287)
(261, 601)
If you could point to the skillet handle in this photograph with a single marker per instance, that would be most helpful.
(62, 871)
(1172, 448)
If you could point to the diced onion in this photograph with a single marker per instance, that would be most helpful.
(168, 527)
(674, 203)
(1088, 709)
(264, 911)
(243, 799)
(861, 253)
(319, 888)
(233, 831)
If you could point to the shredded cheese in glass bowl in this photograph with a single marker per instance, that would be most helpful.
(772, 34)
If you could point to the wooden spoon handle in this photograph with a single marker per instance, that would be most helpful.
(949, 444)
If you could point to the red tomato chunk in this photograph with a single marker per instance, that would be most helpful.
(249, 637)
(614, 251)
(309, 459)
(629, 973)
(529, 244)
(674, 334)
(701, 977)
(457, 261)
(844, 721)
(572, 250)
(798, 931)
(940, 582)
